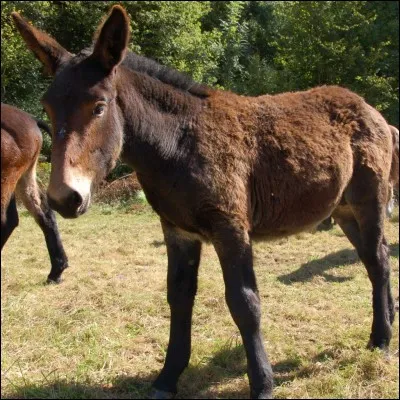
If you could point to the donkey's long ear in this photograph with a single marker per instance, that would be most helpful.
(50, 53)
(112, 38)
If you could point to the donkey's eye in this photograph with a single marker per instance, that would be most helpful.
(99, 110)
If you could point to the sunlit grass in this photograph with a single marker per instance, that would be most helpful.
(103, 332)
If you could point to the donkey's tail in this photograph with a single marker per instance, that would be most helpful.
(41, 124)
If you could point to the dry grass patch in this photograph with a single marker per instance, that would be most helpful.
(103, 332)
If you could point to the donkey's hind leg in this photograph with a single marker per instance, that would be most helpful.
(9, 221)
(35, 200)
(363, 223)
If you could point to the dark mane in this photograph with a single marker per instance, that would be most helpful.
(152, 68)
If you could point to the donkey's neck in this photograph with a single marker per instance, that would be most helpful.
(157, 119)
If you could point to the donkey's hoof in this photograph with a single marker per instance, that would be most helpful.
(160, 394)
(262, 395)
(50, 281)
(382, 347)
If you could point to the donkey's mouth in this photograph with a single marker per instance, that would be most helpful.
(70, 209)
(84, 207)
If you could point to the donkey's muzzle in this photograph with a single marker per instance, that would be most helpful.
(71, 206)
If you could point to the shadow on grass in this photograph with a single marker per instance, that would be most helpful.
(227, 363)
(196, 381)
(334, 260)
(394, 250)
(288, 370)
(158, 243)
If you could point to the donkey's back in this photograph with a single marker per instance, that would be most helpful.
(290, 158)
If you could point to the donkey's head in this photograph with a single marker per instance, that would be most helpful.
(81, 104)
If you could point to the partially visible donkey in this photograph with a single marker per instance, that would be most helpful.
(21, 142)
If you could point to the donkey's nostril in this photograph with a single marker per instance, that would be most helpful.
(75, 199)
(69, 206)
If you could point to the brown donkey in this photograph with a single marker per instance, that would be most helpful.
(219, 167)
(21, 141)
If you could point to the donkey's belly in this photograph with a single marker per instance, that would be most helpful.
(298, 202)
(293, 219)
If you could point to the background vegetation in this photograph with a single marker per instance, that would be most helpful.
(250, 47)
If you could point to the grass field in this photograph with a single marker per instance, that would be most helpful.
(103, 332)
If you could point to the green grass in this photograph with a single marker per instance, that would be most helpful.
(103, 332)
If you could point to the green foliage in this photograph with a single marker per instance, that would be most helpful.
(171, 33)
(43, 170)
(46, 145)
(234, 41)
(21, 80)
(251, 47)
(352, 44)
(120, 170)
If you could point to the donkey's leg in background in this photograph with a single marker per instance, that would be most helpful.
(351, 229)
(183, 264)
(235, 254)
(345, 219)
(9, 221)
(35, 200)
(364, 229)
(374, 255)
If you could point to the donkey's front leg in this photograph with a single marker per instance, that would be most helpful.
(35, 200)
(183, 264)
(235, 254)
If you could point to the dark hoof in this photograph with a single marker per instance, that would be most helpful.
(53, 280)
(56, 272)
(262, 395)
(160, 394)
(383, 347)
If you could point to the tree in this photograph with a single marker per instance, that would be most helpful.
(334, 42)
